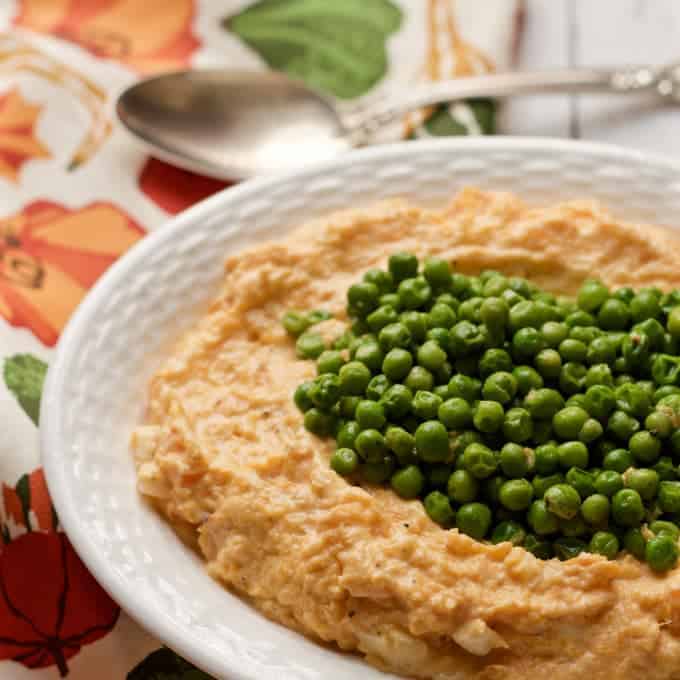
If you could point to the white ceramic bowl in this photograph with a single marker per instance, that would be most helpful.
(96, 385)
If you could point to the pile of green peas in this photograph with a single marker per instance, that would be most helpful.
(513, 414)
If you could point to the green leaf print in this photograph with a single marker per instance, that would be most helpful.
(24, 376)
(337, 47)
(164, 664)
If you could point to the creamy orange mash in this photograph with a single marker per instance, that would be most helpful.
(225, 457)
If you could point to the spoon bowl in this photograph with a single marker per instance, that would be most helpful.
(232, 124)
(237, 124)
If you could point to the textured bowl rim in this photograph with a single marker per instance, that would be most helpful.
(153, 619)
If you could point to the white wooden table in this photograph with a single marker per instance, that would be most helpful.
(559, 33)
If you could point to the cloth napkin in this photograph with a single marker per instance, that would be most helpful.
(76, 192)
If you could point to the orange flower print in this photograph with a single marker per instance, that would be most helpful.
(50, 256)
(18, 143)
(149, 36)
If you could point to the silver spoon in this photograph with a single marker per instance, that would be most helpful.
(236, 124)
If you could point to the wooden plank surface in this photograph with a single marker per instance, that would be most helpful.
(599, 33)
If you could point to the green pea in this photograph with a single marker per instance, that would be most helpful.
(627, 508)
(403, 266)
(465, 338)
(580, 318)
(517, 425)
(381, 279)
(625, 294)
(643, 480)
(419, 378)
(669, 496)
(554, 333)
(370, 445)
(455, 413)
(592, 295)
(479, 460)
(614, 315)
(369, 415)
(546, 459)
(319, 423)
(568, 422)
(595, 509)
(302, 397)
(460, 442)
(673, 323)
(408, 482)
(474, 519)
(511, 297)
(599, 374)
(495, 285)
(363, 298)
(488, 416)
(325, 390)
(541, 520)
(590, 431)
(644, 447)
(431, 356)
(343, 341)
(391, 299)
(527, 379)
(608, 483)
(572, 377)
(378, 471)
(425, 405)
(354, 378)
(401, 443)
(470, 310)
(573, 350)
(515, 460)
(524, 315)
(381, 317)
(417, 324)
(438, 508)
(295, 323)
(548, 363)
(582, 480)
(330, 361)
(601, 351)
(604, 543)
(659, 424)
(465, 387)
(394, 335)
(442, 391)
(539, 548)
(645, 305)
(508, 532)
(666, 469)
(562, 500)
(441, 316)
(622, 426)
(494, 313)
(585, 334)
(414, 293)
(543, 403)
(460, 285)
(516, 494)
(396, 364)
(437, 475)
(396, 401)
(437, 272)
(309, 345)
(500, 386)
(600, 401)
(462, 487)
(448, 299)
(527, 342)
(347, 434)
(633, 400)
(432, 441)
(618, 460)
(377, 387)
(493, 361)
(344, 462)
(666, 369)
(661, 553)
(635, 543)
(661, 527)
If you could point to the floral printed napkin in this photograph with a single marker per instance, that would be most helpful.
(76, 193)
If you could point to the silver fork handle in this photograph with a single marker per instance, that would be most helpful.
(662, 80)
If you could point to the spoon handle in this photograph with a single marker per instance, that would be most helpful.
(665, 81)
